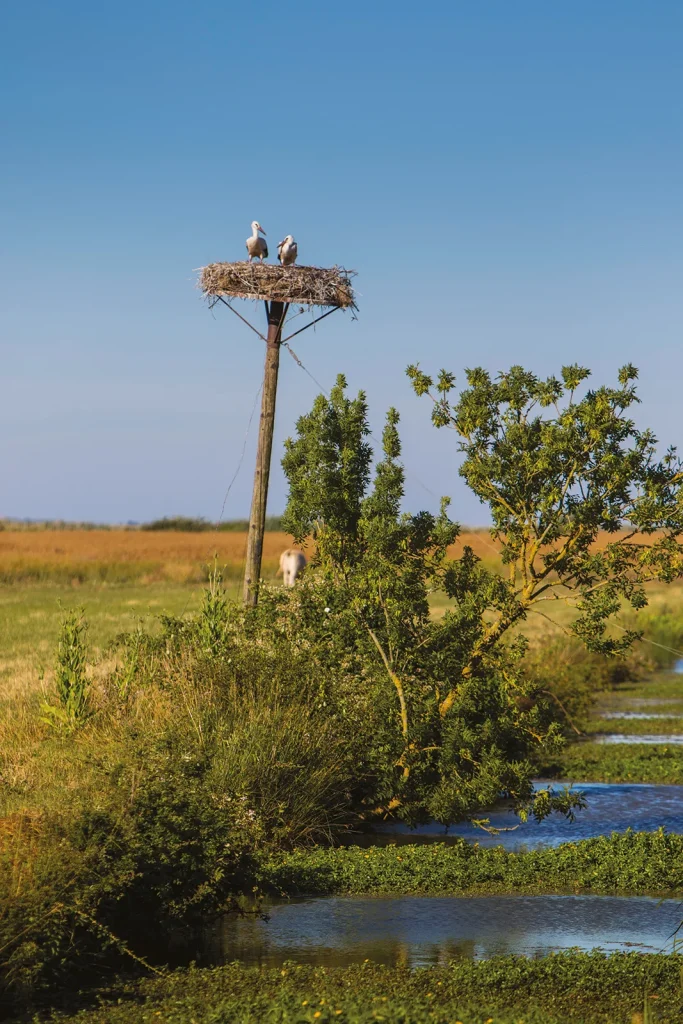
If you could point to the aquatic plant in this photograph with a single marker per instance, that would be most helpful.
(635, 863)
(585, 988)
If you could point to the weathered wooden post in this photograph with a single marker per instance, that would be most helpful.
(278, 287)
(276, 312)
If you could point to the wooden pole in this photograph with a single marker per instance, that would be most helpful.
(257, 519)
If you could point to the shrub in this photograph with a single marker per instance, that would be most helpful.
(71, 680)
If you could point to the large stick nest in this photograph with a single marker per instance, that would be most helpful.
(307, 286)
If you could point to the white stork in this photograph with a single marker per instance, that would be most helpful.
(256, 246)
(287, 250)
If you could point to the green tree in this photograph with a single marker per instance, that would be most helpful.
(556, 471)
(386, 664)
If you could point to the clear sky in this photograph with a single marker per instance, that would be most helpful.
(506, 178)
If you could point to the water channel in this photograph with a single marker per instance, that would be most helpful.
(612, 807)
(419, 931)
(663, 739)
(642, 716)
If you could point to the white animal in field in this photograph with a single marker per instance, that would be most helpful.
(287, 251)
(256, 246)
(292, 564)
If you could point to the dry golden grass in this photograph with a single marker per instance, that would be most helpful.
(121, 556)
(127, 556)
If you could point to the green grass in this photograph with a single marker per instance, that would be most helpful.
(618, 762)
(30, 619)
(636, 726)
(659, 686)
(586, 988)
(628, 864)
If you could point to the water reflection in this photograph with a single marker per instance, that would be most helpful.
(668, 740)
(612, 807)
(641, 716)
(419, 931)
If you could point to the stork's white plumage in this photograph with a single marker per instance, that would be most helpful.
(287, 250)
(256, 246)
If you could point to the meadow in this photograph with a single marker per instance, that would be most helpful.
(125, 555)
(163, 714)
(128, 576)
(122, 577)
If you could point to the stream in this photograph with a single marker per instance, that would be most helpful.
(612, 807)
(419, 931)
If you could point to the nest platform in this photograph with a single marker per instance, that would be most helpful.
(302, 286)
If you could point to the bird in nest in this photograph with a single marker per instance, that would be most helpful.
(257, 246)
(287, 250)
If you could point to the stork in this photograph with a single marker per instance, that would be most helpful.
(256, 246)
(287, 250)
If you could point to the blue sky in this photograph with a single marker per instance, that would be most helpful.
(507, 179)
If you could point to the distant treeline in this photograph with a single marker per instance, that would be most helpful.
(59, 524)
(185, 524)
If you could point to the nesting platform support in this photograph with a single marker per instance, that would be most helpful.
(276, 312)
(278, 287)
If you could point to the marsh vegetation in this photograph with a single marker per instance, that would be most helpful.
(163, 776)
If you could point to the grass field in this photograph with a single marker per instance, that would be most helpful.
(128, 556)
(30, 618)
(120, 576)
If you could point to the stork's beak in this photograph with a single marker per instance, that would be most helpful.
(262, 231)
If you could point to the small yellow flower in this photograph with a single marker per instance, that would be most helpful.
(305, 1002)
(317, 1013)
(337, 1012)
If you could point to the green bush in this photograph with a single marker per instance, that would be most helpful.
(663, 628)
(573, 676)
(102, 882)
(198, 749)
